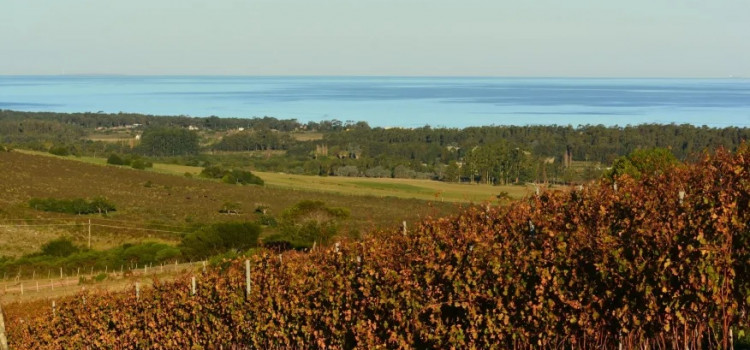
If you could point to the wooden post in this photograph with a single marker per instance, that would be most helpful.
(89, 233)
(404, 223)
(248, 287)
(137, 291)
(53, 308)
(192, 284)
(204, 265)
(336, 247)
(145, 270)
(37, 286)
(3, 337)
(61, 273)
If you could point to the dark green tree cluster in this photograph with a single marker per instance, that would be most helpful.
(220, 238)
(643, 162)
(168, 142)
(132, 160)
(255, 140)
(235, 176)
(73, 206)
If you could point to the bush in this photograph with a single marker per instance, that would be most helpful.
(220, 238)
(115, 160)
(306, 223)
(378, 171)
(59, 151)
(60, 247)
(241, 177)
(72, 206)
(347, 170)
(140, 164)
(230, 208)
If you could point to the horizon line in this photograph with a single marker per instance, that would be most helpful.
(371, 76)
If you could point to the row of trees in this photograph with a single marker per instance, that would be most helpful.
(490, 154)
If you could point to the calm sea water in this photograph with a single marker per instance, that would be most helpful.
(394, 101)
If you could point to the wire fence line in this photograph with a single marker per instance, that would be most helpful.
(86, 224)
(16, 286)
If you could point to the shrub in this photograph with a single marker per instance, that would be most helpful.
(347, 170)
(60, 247)
(306, 223)
(59, 151)
(72, 206)
(220, 238)
(230, 208)
(114, 159)
(140, 164)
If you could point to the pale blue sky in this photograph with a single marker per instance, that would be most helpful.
(601, 38)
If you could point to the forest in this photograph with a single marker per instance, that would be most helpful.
(487, 154)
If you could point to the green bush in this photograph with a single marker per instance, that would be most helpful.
(241, 177)
(72, 206)
(60, 247)
(114, 159)
(306, 223)
(140, 164)
(220, 238)
(59, 151)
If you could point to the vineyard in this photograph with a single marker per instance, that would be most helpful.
(661, 262)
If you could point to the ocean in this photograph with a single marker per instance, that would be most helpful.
(394, 101)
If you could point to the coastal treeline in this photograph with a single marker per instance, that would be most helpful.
(487, 154)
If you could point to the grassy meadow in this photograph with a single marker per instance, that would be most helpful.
(161, 200)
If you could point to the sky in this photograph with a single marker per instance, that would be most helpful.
(528, 38)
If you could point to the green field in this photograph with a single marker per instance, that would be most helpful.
(378, 187)
(164, 196)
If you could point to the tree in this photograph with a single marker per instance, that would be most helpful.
(60, 247)
(168, 142)
(643, 162)
(220, 238)
(306, 223)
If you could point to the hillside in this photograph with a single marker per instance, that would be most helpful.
(159, 201)
(662, 261)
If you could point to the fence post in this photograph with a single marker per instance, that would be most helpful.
(37, 286)
(54, 311)
(137, 291)
(61, 273)
(192, 285)
(3, 337)
(247, 279)
(404, 224)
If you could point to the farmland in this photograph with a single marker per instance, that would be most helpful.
(654, 261)
(158, 198)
